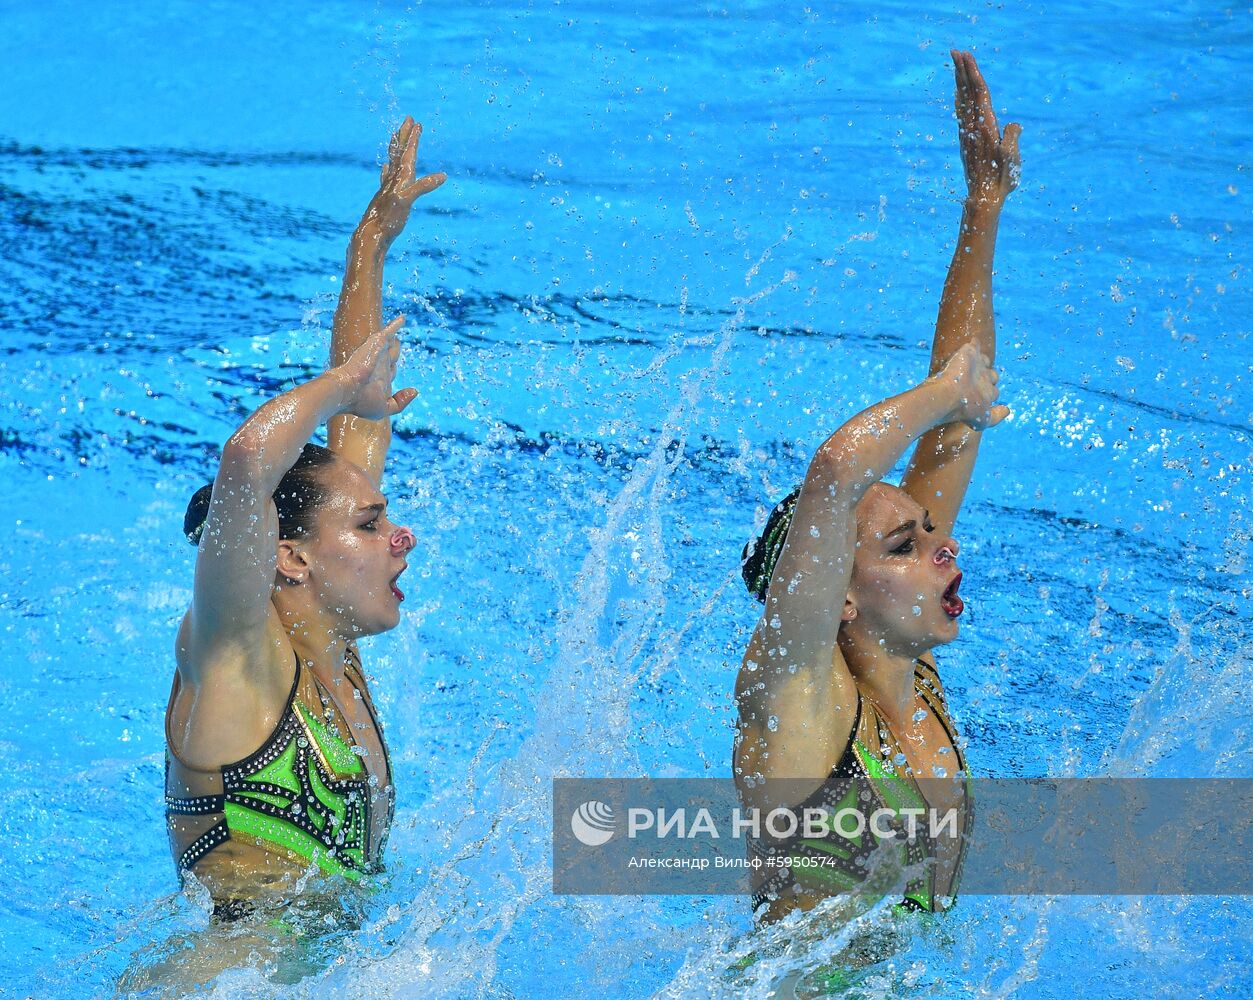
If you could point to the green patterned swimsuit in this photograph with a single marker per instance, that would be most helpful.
(306, 792)
(867, 778)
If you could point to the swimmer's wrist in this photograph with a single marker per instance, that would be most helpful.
(370, 237)
(944, 398)
(340, 389)
(981, 211)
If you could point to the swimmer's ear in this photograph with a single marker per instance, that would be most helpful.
(292, 566)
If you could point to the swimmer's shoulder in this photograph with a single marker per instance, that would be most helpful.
(258, 662)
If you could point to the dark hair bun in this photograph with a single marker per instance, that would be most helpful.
(301, 493)
(197, 512)
(761, 554)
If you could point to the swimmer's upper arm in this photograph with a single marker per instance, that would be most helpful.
(235, 560)
(797, 699)
(795, 732)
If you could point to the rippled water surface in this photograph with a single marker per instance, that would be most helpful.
(678, 246)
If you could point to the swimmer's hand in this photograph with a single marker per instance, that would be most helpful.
(990, 158)
(388, 210)
(366, 377)
(972, 382)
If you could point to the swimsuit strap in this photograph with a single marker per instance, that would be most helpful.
(196, 805)
(215, 836)
(356, 677)
(929, 689)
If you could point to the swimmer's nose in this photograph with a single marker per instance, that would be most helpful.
(946, 554)
(402, 541)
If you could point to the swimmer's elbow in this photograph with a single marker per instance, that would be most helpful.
(834, 471)
(243, 459)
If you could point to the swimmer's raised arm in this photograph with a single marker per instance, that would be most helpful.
(360, 309)
(942, 464)
(796, 696)
(235, 564)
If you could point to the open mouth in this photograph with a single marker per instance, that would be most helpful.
(950, 603)
(396, 591)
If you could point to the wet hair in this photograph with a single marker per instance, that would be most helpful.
(301, 493)
(761, 554)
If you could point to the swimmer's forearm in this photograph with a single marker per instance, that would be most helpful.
(358, 314)
(865, 449)
(948, 455)
(268, 443)
(966, 312)
(360, 309)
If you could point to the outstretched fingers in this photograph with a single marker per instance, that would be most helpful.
(424, 185)
(400, 400)
(400, 139)
(972, 99)
(1009, 142)
(403, 161)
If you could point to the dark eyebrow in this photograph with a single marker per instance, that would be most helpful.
(907, 526)
(376, 508)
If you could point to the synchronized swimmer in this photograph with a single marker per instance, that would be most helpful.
(276, 759)
(840, 699)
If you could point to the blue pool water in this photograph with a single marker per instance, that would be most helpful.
(677, 247)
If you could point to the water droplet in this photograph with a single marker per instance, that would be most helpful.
(899, 759)
(917, 610)
(939, 772)
(920, 715)
(772, 723)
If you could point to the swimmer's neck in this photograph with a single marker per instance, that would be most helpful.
(318, 645)
(886, 678)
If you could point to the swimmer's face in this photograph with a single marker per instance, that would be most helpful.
(903, 591)
(356, 554)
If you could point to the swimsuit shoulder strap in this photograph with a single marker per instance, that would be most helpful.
(929, 687)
